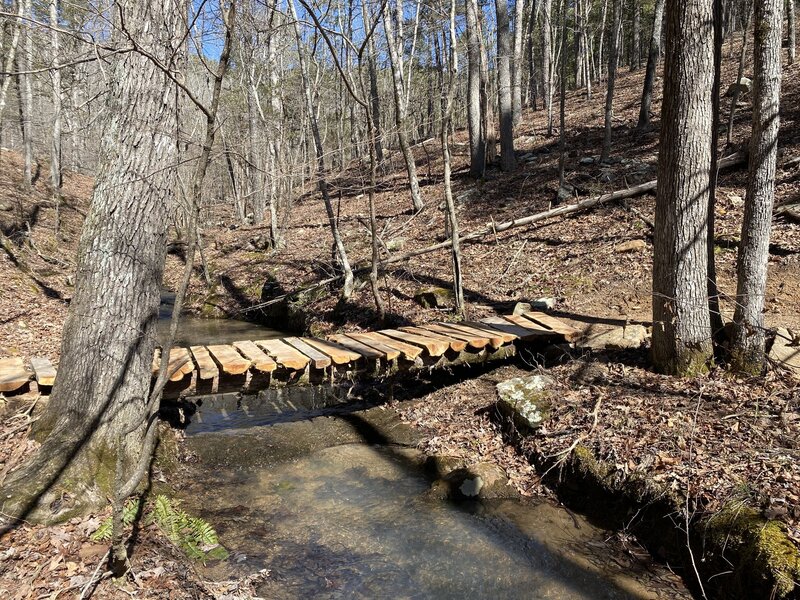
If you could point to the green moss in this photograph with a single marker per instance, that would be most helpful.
(765, 552)
(586, 463)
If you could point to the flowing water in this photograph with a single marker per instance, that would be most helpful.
(330, 497)
(332, 514)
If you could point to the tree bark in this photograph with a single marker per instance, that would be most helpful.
(10, 57)
(652, 63)
(739, 75)
(681, 325)
(395, 44)
(508, 160)
(517, 65)
(25, 89)
(447, 111)
(487, 102)
(747, 346)
(102, 389)
(477, 138)
(636, 36)
(547, 62)
(792, 27)
(55, 79)
(375, 97)
(612, 78)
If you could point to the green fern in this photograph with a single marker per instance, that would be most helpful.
(195, 536)
(129, 512)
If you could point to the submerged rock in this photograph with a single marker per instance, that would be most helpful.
(526, 400)
(482, 481)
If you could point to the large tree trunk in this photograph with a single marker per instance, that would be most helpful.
(652, 63)
(508, 161)
(10, 53)
(517, 65)
(101, 393)
(681, 325)
(487, 98)
(747, 348)
(477, 139)
(636, 36)
(613, 55)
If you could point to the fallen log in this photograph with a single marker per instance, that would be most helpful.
(567, 209)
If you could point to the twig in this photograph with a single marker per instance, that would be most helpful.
(511, 264)
(565, 454)
(686, 507)
(94, 575)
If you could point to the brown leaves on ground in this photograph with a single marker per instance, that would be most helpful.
(716, 438)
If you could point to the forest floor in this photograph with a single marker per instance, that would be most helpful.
(714, 438)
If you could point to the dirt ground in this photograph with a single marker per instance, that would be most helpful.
(715, 438)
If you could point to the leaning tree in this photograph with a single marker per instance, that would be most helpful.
(96, 416)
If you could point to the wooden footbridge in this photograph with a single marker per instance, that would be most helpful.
(252, 365)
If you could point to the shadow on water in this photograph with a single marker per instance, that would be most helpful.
(336, 506)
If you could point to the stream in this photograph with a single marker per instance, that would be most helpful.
(329, 495)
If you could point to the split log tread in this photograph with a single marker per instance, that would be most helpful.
(261, 361)
(570, 333)
(318, 359)
(44, 371)
(433, 346)
(363, 349)
(475, 339)
(339, 354)
(388, 345)
(13, 374)
(285, 355)
(229, 360)
(456, 344)
(504, 337)
(206, 367)
(502, 324)
(180, 364)
(538, 328)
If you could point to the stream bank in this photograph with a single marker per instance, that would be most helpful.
(347, 505)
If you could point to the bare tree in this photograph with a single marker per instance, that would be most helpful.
(508, 160)
(681, 324)
(517, 64)
(10, 55)
(612, 77)
(55, 79)
(25, 94)
(322, 170)
(792, 30)
(652, 62)
(477, 135)
(396, 54)
(547, 61)
(447, 111)
(747, 345)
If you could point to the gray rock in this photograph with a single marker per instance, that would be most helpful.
(736, 200)
(614, 338)
(468, 196)
(786, 351)
(565, 193)
(539, 304)
(526, 400)
(5, 208)
(395, 244)
(484, 481)
(743, 86)
(586, 160)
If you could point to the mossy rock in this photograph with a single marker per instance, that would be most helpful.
(526, 400)
(435, 297)
(766, 562)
